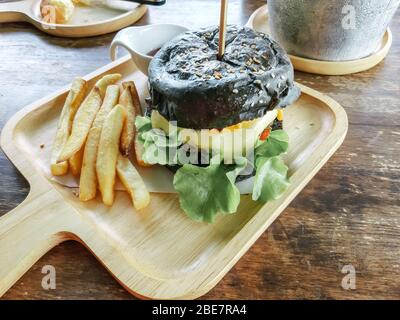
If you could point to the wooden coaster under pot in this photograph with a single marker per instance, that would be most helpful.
(259, 22)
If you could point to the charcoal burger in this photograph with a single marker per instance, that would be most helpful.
(213, 111)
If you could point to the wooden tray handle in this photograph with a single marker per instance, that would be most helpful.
(14, 11)
(27, 233)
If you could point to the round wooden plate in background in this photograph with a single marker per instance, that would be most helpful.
(85, 21)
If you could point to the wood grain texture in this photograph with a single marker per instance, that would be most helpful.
(157, 252)
(348, 214)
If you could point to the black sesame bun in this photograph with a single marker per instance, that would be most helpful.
(190, 85)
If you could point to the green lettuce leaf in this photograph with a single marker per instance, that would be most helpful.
(276, 144)
(206, 191)
(143, 124)
(271, 178)
(159, 148)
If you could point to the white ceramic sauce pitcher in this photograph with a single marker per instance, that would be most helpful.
(141, 41)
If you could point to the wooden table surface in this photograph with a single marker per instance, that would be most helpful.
(347, 215)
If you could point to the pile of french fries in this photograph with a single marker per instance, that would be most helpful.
(95, 135)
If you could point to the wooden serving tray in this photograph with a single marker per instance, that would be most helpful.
(159, 252)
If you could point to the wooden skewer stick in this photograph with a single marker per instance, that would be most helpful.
(222, 28)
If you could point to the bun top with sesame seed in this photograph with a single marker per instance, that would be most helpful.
(190, 85)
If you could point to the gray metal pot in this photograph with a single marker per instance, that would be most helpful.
(336, 30)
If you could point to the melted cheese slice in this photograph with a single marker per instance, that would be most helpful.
(237, 139)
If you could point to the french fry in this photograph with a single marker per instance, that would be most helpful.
(130, 102)
(109, 102)
(88, 179)
(108, 150)
(73, 101)
(104, 82)
(121, 87)
(79, 86)
(135, 96)
(138, 146)
(139, 149)
(132, 182)
(81, 125)
(85, 116)
(75, 162)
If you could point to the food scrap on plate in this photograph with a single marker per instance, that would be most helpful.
(61, 11)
